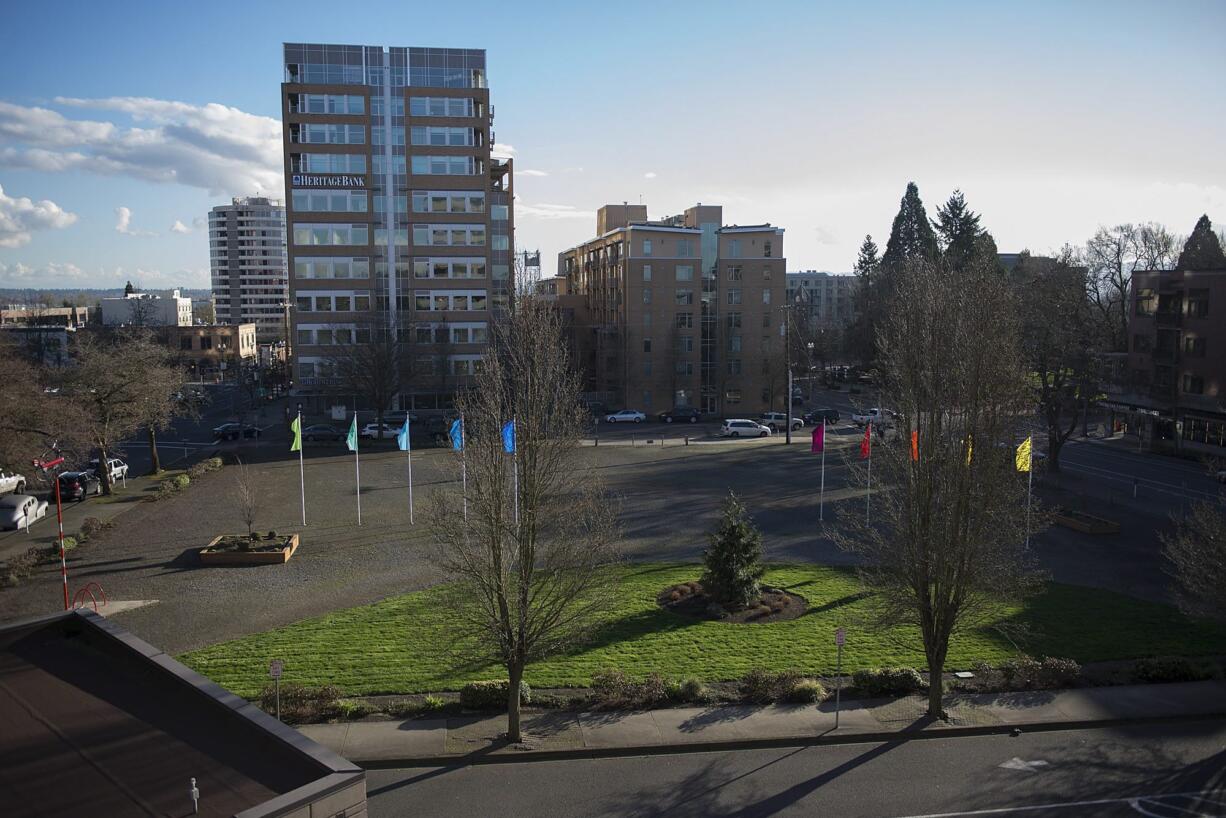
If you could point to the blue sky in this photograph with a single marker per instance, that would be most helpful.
(1052, 118)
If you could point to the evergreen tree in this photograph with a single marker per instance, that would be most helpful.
(868, 259)
(1202, 250)
(911, 236)
(959, 229)
(128, 289)
(734, 560)
(859, 333)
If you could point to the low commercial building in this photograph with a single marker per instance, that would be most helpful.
(146, 310)
(209, 351)
(99, 722)
(26, 315)
(1175, 391)
(679, 312)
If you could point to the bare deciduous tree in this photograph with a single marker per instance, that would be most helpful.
(34, 420)
(371, 363)
(246, 498)
(1112, 255)
(525, 564)
(945, 542)
(1197, 552)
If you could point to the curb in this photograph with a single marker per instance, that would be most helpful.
(869, 737)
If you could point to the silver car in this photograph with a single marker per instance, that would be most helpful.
(20, 511)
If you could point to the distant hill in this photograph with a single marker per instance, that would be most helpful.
(78, 297)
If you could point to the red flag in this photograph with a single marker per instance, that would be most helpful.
(915, 445)
(866, 445)
(819, 438)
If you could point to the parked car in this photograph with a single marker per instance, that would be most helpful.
(20, 511)
(375, 431)
(322, 431)
(77, 485)
(778, 421)
(690, 415)
(739, 427)
(818, 415)
(1221, 475)
(874, 416)
(118, 468)
(12, 481)
(233, 431)
(626, 416)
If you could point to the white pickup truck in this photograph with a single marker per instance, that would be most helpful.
(874, 416)
(11, 481)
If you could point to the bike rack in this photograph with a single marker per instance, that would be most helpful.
(78, 601)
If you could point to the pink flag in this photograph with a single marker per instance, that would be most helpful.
(819, 438)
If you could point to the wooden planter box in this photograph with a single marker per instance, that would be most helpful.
(247, 557)
(1087, 523)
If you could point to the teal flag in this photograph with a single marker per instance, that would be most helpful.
(351, 440)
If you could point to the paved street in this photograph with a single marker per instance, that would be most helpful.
(1175, 769)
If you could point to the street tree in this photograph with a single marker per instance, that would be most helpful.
(944, 545)
(1057, 342)
(37, 419)
(245, 495)
(1202, 250)
(370, 363)
(120, 382)
(526, 543)
(732, 564)
(1197, 554)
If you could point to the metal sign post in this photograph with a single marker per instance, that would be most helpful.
(839, 638)
(274, 670)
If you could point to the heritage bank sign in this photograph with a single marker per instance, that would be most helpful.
(307, 180)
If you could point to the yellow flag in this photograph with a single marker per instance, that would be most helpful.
(1023, 457)
(296, 427)
(970, 447)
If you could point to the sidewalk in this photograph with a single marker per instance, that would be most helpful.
(559, 734)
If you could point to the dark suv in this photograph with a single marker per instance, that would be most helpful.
(689, 415)
(818, 415)
(77, 485)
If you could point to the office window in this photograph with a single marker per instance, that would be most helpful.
(328, 163)
(443, 136)
(647, 345)
(685, 272)
(684, 297)
(445, 165)
(734, 251)
(499, 213)
(499, 242)
(766, 296)
(647, 247)
(647, 272)
(1193, 385)
(734, 296)
(646, 295)
(684, 320)
(440, 106)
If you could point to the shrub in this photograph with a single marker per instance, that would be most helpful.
(491, 695)
(1170, 669)
(805, 691)
(301, 704)
(674, 596)
(91, 526)
(888, 681)
(433, 703)
(1020, 673)
(181, 481)
(352, 709)
(691, 689)
(196, 471)
(611, 686)
(764, 686)
(733, 562)
(1059, 672)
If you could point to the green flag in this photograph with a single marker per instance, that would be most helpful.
(351, 440)
(296, 427)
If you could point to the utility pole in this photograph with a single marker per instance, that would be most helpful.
(787, 356)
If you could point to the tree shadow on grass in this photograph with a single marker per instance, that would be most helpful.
(835, 604)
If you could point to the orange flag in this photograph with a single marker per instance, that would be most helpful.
(915, 445)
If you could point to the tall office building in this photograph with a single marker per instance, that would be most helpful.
(679, 312)
(247, 257)
(398, 216)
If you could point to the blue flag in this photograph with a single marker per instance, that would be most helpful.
(508, 437)
(402, 437)
(457, 435)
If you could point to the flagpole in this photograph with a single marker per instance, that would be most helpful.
(464, 468)
(301, 471)
(821, 503)
(409, 452)
(357, 479)
(515, 474)
(1029, 485)
(868, 489)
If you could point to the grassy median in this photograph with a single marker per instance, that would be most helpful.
(401, 645)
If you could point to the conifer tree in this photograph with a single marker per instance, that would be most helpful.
(868, 259)
(734, 560)
(958, 227)
(1202, 250)
(911, 236)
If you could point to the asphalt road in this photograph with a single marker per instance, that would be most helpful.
(1157, 770)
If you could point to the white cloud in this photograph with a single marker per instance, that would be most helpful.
(216, 147)
(531, 173)
(550, 211)
(123, 223)
(651, 174)
(20, 217)
(179, 227)
(53, 273)
(502, 150)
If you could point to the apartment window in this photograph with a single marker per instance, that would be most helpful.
(684, 297)
(734, 320)
(766, 366)
(685, 368)
(766, 273)
(766, 296)
(647, 367)
(734, 296)
(684, 320)
(685, 343)
(647, 247)
(734, 273)
(646, 295)
(734, 251)
(732, 396)
(646, 319)
(685, 248)
(734, 343)
(766, 249)
(1197, 304)
(1193, 385)
(685, 272)
(647, 345)
(206, 342)
(647, 272)
(1194, 347)
(185, 342)
(1145, 301)
(734, 366)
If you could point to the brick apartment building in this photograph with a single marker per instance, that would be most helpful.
(680, 312)
(1176, 367)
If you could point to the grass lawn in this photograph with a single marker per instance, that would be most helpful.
(401, 645)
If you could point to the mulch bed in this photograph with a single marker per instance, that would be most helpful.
(240, 542)
(688, 599)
